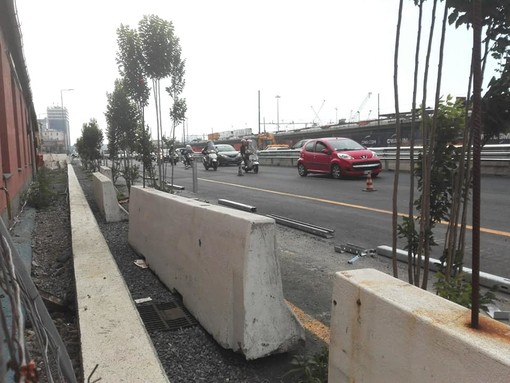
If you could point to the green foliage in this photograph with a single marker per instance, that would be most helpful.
(445, 163)
(495, 20)
(123, 118)
(40, 194)
(496, 24)
(495, 102)
(130, 62)
(89, 144)
(408, 230)
(310, 369)
(457, 289)
(157, 43)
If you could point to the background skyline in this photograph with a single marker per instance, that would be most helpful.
(321, 58)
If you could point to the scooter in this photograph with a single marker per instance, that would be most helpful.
(253, 159)
(188, 160)
(210, 160)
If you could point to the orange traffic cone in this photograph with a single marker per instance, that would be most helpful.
(370, 185)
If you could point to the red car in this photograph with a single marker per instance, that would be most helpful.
(339, 157)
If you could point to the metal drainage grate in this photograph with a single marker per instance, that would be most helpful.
(165, 316)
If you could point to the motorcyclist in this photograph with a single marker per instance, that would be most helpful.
(209, 148)
(187, 153)
(244, 152)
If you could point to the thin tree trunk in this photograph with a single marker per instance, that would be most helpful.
(425, 201)
(398, 134)
(155, 84)
(433, 131)
(411, 260)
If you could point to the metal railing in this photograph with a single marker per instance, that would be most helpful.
(495, 153)
(491, 156)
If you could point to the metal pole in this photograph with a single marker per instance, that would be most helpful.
(259, 108)
(278, 113)
(194, 175)
(476, 116)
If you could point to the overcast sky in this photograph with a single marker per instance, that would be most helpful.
(322, 58)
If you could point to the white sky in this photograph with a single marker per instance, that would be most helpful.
(322, 58)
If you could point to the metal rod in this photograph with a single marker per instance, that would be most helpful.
(237, 205)
(476, 115)
(301, 226)
(301, 222)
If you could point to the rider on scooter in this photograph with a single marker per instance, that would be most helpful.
(187, 153)
(209, 148)
(244, 152)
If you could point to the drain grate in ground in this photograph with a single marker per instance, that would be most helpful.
(167, 316)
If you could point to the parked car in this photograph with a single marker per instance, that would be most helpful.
(227, 155)
(337, 156)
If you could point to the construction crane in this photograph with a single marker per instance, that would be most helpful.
(318, 121)
(360, 108)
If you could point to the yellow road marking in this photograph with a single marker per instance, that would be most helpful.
(319, 329)
(382, 211)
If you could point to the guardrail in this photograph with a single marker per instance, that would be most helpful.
(495, 153)
(495, 158)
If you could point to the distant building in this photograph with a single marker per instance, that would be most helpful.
(58, 120)
(53, 141)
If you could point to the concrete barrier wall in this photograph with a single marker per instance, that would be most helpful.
(290, 161)
(223, 263)
(386, 330)
(113, 336)
(106, 171)
(105, 195)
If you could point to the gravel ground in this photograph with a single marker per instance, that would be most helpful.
(187, 355)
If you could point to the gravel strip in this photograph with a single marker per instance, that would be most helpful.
(189, 354)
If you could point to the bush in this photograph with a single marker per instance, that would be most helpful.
(310, 369)
(40, 194)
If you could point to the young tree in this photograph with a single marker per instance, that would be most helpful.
(130, 62)
(123, 129)
(158, 44)
(88, 145)
(179, 107)
(411, 254)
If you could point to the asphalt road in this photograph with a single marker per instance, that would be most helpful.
(357, 217)
(308, 263)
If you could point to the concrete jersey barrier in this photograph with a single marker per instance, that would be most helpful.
(113, 336)
(384, 330)
(223, 263)
(106, 198)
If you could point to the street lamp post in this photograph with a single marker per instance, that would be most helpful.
(277, 113)
(66, 125)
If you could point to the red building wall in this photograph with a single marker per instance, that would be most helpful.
(17, 152)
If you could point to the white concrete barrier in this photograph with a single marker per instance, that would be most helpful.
(105, 195)
(223, 262)
(113, 336)
(106, 171)
(386, 330)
